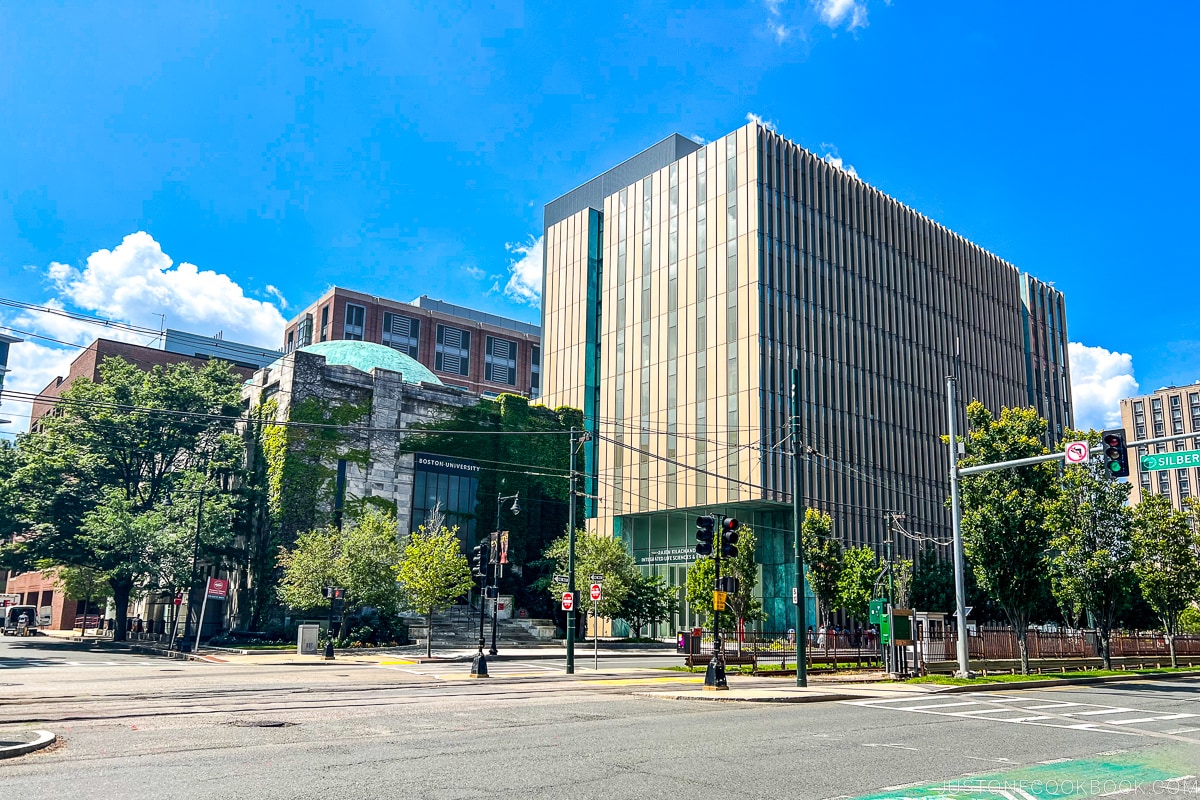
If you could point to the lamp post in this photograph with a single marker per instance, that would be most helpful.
(498, 569)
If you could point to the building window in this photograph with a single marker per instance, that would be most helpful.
(1185, 488)
(1164, 483)
(304, 331)
(324, 323)
(291, 342)
(401, 333)
(355, 318)
(1157, 410)
(453, 351)
(535, 371)
(1194, 407)
(1139, 419)
(500, 361)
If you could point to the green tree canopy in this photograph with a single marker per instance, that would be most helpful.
(649, 600)
(433, 572)
(1091, 551)
(823, 559)
(859, 572)
(595, 554)
(1005, 534)
(1166, 560)
(362, 559)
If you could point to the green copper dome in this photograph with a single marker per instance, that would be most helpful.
(366, 356)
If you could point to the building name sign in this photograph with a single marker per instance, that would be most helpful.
(1184, 458)
(669, 555)
(428, 462)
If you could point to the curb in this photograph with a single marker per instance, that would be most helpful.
(44, 739)
(725, 697)
(1101, 679)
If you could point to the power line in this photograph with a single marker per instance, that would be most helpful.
(78, 317)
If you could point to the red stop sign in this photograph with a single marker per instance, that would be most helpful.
(596, 592)
(568, 601)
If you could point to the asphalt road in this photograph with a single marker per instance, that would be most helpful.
(180, 730)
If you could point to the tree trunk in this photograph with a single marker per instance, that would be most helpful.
(1171, 646)
(429, 633)
(1104, 642)
(121, 591)
(1023, 647)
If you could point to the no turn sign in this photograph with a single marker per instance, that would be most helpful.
(568, 601)
(595, 592)
(1077, 452)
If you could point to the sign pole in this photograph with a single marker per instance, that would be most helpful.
(596, 632)
(960, 582)
(200, 622)
(571, 558)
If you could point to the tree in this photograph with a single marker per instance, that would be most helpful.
(1005, 534)
(860, 569)
(362, 559)
(82, 583)
(823, 559)
(650, 600)
(110, 454)
(701, 577)
(599, 555)
(933, 581)
(1091, 561)
(1167, 561)
(433, 572)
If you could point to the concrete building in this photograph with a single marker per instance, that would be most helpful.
(1170, 411)
(682, 286)
(483, 353)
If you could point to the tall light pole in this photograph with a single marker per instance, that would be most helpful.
(498, 567)
(585, 437)
(798, 537)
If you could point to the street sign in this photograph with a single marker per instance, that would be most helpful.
(560, 578)
(218, 588)
(595, 592)
(596, 577)
(1076, 452)
(719, 599)
(568, 601)
(1184, 458)
(795, 596)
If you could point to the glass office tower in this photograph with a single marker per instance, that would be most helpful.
(682, 287)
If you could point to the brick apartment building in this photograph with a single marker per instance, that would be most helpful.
(473, 350)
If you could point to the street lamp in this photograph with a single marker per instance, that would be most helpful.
(496, 554)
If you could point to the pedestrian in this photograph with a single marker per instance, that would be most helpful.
(23, 624)
(820, 636)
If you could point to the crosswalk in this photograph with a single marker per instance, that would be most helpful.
(1065, 714)
(37, 663)
(453, 671)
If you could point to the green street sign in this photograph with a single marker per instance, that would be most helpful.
(1180, 460)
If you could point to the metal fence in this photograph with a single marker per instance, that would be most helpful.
(766, 650)
(1001, 643)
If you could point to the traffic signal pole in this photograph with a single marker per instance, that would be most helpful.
(960, 583)
(571, 560)
(714, 676)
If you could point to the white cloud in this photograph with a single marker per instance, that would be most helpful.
(525, 272)
(775, 25)
(475, 272)
(135, 282)
(278, 295)
(834, 12)
(1099, 380)
(766, 123)
(832, 157)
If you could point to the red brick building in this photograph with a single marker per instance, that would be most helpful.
(483, 353)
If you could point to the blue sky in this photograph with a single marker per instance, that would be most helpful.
(408, 149)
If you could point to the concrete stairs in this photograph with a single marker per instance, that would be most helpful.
(458, 627)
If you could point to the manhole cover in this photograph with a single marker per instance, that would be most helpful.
(261, 723)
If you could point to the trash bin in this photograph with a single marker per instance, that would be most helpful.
(306, 639)
(684, 642)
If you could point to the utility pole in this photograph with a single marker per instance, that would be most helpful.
(960, 583)
(797, 537)
(571, 559)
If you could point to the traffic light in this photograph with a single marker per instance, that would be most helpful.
(479, 561)
(1116, 457)
(729, 537)
(705, 526)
